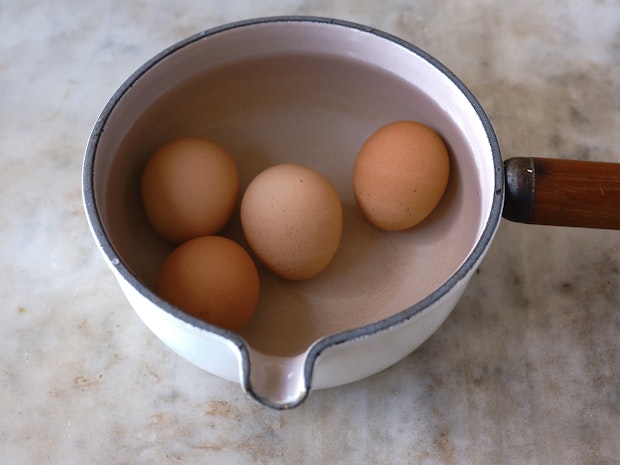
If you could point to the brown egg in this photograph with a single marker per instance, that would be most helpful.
(212, 278)
(400, 175)
(189, 188)
(292, 219)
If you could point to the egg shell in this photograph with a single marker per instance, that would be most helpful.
(400, 174)
(291, 216)
(212, 278)
(189, 188)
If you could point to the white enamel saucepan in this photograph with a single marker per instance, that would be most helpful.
(310, 91)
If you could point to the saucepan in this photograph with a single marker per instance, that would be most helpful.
(310, 90)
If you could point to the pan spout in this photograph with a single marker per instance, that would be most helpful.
(279, 382)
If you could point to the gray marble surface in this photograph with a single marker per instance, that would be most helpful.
(525, 371)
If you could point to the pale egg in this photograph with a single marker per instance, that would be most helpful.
(291, 216)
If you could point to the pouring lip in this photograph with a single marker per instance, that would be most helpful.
(114, 260)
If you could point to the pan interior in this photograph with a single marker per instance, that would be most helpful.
(314, 109)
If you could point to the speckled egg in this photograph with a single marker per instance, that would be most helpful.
(291, 216)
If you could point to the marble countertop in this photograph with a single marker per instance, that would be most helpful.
(525, 371)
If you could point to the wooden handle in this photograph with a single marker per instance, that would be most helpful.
(562, 192)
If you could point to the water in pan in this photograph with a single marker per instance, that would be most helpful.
(315, 110)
